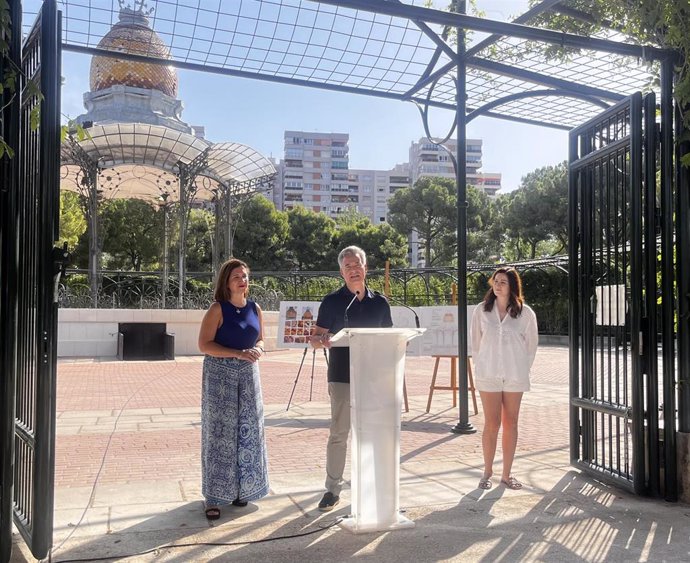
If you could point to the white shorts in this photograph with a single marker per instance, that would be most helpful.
(499, 385)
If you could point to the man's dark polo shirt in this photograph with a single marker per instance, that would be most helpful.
(371, 312)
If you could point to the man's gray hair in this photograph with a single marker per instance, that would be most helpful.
(352, 251)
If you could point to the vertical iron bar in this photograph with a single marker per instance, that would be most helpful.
(618, 225)
(683, 271)
(650, 340)
(598, 275)
(635, 252)
(574, 306)
(667, 282)
(623, 164)
(588, 417)
(463, 426)
(607, 278)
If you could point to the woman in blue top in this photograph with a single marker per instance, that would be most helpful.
(234, 464)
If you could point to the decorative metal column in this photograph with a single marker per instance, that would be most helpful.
(217, 211)
(88, 189)
(187, 176)
(463, 426)
(229, 235)
(165, 207)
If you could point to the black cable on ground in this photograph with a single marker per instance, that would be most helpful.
(197, 544)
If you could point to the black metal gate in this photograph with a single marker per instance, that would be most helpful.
(30, 209)
(614, 250)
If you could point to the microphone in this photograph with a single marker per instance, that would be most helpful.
(398, 302)
(348, 308)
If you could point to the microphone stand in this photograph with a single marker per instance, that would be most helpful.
(345, 319)
(398, 302)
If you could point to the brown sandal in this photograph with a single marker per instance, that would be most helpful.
(512, 483)
(485, 483)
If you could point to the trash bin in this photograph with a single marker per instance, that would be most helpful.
(145, 341)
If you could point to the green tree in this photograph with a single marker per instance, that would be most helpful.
(132, 234)
(260, 236)
(199, 241)
(484, 235)
(380, 242)
(536, 214)
(72, 221)
(429, 208)
(310, 243)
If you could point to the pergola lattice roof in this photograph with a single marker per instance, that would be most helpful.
(142, 161)
(385, 48)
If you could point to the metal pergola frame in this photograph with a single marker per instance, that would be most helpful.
(452, 77)
(196, 171)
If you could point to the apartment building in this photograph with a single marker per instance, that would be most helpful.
(430, 159)
(375, 187)
(314, 172)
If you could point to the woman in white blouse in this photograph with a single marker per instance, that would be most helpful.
(504, 342)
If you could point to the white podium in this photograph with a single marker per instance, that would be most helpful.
(377, 365)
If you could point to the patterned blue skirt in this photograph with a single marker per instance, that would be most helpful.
(234, 463)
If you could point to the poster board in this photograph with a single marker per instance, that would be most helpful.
(441, 324)
(297, 320)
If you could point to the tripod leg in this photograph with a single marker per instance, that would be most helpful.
(313, 361)
(297, 377)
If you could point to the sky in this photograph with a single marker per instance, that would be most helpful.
(257, 113)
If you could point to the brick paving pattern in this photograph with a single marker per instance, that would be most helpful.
(124, 422)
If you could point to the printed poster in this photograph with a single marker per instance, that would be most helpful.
(296, 320)
(441, 336)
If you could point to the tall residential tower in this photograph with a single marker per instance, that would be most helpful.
(315, 173)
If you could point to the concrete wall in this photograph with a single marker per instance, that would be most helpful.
(92, 333)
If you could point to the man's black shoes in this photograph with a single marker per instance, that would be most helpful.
(328, 501)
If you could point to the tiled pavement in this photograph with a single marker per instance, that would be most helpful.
(146, 415)
(127, 475)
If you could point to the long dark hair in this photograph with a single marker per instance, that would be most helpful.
(221, 291)
(516, 298)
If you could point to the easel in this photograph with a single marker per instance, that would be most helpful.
(453, 382)
(311, 384)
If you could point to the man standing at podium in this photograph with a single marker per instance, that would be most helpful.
(351, 306)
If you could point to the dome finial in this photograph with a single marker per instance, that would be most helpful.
(139, 7)
(137, 14)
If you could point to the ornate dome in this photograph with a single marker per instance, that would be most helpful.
(132, 34)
